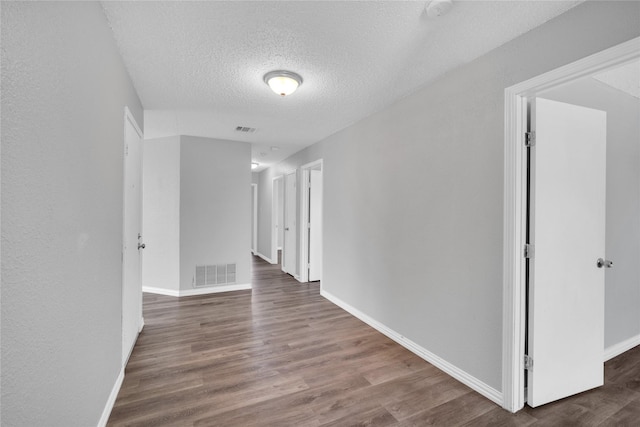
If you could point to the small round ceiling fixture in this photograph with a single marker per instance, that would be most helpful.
(437, 8)
(254, 165)
(283, 82)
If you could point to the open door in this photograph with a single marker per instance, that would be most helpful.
(254, 218)
(315, 225)
(132, 238)
(290, 200)
(567, 233)
(277, 220)
(279, 214)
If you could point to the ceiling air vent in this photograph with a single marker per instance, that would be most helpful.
(245, 129)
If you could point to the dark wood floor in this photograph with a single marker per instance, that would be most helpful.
(281, 355)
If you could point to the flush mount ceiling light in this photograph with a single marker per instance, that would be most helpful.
(436, 8)
(283, 82)
(254, 165)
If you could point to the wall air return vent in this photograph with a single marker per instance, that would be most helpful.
(215, 275)
(245, 129)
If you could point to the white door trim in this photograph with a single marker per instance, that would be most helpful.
(304, 215)
(515, 206)
(254, 218)
(274, 214)
(129, 116)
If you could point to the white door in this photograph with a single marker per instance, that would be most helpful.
(254, 218)
(315, 225)
(289, 249)
(277, 221)
(280, 214)
(566, 287)
(132, 238)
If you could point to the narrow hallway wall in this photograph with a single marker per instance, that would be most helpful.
(64, 90)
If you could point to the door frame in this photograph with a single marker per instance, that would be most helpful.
(254, 218)
(274, 214)
(515, 107)
(304, 215)
(128, 117)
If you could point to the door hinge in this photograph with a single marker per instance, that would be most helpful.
(529, 139)
(528, 362)
(528, 250)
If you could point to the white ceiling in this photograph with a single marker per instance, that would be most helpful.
(625, 78)
(198, 66)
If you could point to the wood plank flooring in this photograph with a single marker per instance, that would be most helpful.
(281, 355)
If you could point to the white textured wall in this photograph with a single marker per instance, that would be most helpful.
(622, 288)
(64, 89)
(413, 195)
(215, 206)
(161, 213)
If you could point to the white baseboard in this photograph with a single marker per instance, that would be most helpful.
(215, 290)
(269, 260)
(197, 291)
(457, 373)
(618, 349)
(161, 291)
(112, 399)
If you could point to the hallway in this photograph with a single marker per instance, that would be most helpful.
(282, 355)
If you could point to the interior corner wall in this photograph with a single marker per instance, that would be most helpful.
(64, 90)
(215, 206)
(161, 213)
(622, 288)
(413, 195)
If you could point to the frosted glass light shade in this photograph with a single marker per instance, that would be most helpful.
(283, 82)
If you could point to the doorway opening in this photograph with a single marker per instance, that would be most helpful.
(515, 214)
(311, 222)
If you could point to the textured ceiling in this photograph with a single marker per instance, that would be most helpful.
(198, 66)
(625, 78)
